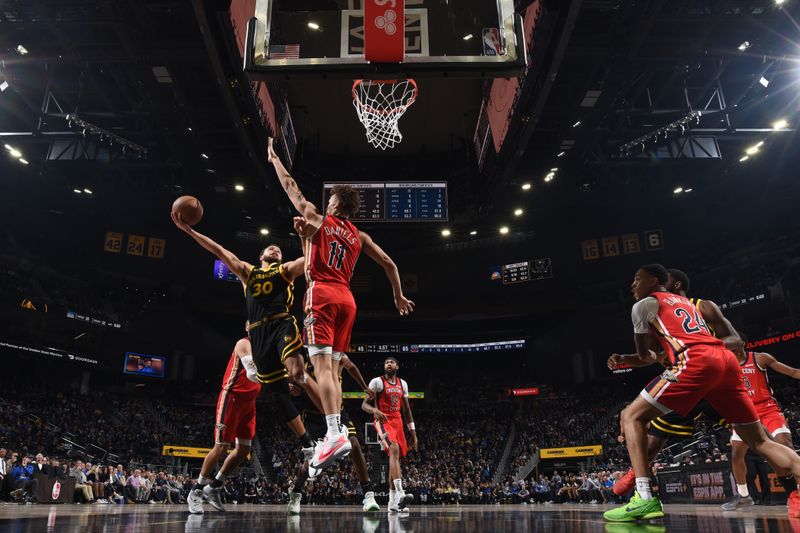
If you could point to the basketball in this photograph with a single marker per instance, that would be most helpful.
(189, 208)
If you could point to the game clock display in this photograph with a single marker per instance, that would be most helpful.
(398, 201)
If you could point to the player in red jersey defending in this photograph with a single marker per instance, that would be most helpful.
(701, 368)
(332, 245)
(235, 421)
(756, 382)
(392, 399)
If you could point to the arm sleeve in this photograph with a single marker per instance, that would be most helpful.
(376, 385)
(405, 388)
(250, 367)
(643, 313)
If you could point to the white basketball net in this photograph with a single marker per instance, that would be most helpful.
(379, 105)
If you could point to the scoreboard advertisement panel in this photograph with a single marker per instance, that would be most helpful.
(419, 201)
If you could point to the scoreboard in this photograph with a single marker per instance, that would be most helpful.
(516, 344)
(417, 201)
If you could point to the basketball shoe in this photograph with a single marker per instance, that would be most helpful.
(625, 484)
(636, 509)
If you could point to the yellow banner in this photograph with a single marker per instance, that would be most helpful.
(356, 395)
(574, 451)
(188, 451)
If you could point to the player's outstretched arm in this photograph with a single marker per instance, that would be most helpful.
(376, 253)
(308, 210)
(294, 269)
(723, 329)
(237, 266)
(766, 360)
(355, 373)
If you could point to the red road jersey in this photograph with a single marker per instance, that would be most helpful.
(678, 324)
(390, 395)
(756, 382)
(332, 252)
(235, 379)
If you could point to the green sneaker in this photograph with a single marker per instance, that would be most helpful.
(636, 509)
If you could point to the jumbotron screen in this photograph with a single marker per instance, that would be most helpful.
(144, 365)
(417, 201)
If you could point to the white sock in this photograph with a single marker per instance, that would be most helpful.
(392, 496)
(203, 480)
(743, 492)
(220, 476)
(398, 485)
(333, 425)
(643, 488)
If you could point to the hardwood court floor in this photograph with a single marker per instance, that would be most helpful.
(422, 519)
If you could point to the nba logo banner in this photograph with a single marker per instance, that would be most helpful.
(384, 30)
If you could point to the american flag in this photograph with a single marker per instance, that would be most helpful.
(284, 51)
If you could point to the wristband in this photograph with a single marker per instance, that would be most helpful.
(411, 426)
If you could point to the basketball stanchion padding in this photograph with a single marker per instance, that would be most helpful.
(384, 31)
(379, 105)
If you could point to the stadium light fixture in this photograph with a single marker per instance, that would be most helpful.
(239, 187)
(744, 158)
(204, 156)
(264, 231)
(21, 50)
(550, 176)
(688, 190)
(753, 149)
(473, 232)
(780, 124)
(446, 233)
(518, 212)
(677, 190)
(504, 230)
(744, 46)
(578, 123)
(467, 37)
(313, 25)
(526, 186)
(15, 153)
(764, 81)
(561, 154)
(23, 161)
(88, 191)
(779, 2)
(3, 86)
(77, 191)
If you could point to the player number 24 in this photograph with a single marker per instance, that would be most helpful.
(692, 322)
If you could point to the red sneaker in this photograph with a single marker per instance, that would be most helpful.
(794, 505)
(625, 484)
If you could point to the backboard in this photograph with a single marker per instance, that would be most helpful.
(326, 38)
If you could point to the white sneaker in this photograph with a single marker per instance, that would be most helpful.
(195, 501)
(308, 453)
(329, 451)
(369, 503)
(294, 502)
(392, 508)
(213, 496)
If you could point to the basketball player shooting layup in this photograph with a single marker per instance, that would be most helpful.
(703, 368)
(332, 245)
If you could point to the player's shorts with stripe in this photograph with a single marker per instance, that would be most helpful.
(772, 419)
(272, 343)
(235, 419)
(330, 315)
(317, 427)
(392, 431)
(703, 371)
(674, 425)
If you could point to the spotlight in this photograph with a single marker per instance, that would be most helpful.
(550, 177)
(677, 190)
(526, 186)
(264, 231)
(780, 124)
(554, 169)
(15, 153)
(577, 124)
(779, 2)
(764, 81)
(518, 212)
(744, 158)
(239, 187)
(688, 190)
(204, 156)
(313, 25)
(77, 191)
(445, 233)
(3, 86)
(473, 232)
(88, 191)
(21, 50)
(504, 230)
(744, 46)
(753, 149)
(467, 37)
(561, 154)
(23, 161)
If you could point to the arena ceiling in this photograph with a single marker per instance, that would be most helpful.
(158, 75)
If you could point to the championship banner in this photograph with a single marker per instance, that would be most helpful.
(384, 30)
(574, 451)
(187, 451)
(362, 395)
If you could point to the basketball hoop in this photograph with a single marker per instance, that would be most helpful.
(380, 104)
